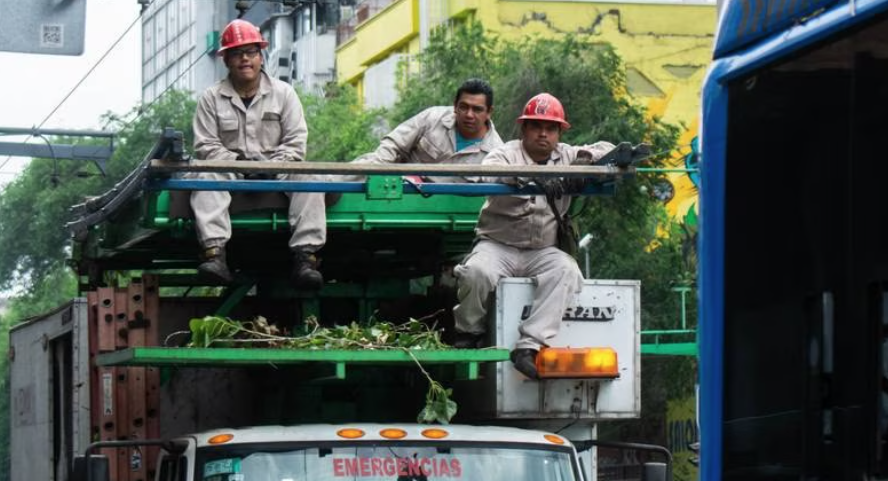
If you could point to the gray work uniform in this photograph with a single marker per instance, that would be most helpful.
(517, 238)
(271, 128)
(429, 137)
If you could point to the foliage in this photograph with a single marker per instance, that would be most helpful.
(214, 331)
(339, 129)
(34, 207)
(587, 77)
(439, 407)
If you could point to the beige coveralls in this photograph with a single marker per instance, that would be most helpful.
(272, 128)
(429, 137)
(517, 238)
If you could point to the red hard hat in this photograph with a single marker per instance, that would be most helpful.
(545, 107)
(240, 32)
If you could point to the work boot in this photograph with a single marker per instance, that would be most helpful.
(214, 266)
(467, 340)
(305, 271)
(524, 361)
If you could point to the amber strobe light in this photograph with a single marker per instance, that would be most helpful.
(220, 438)
(350, 433)
(589, 362)
(393, 433)
(435, 433)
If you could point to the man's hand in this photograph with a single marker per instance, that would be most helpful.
(575, 185)
(552, 186)
(640, 152)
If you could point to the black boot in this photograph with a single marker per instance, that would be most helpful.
(305, 272)
(214, 266)
(524, 361)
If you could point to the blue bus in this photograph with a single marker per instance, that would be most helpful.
(794, 243)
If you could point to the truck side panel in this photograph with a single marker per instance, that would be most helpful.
(49, 386)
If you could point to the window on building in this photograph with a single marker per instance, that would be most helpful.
(159, 30)
(172, 30)
(327, 16)
(148, 38)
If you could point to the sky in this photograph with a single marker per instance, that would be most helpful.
(33, 85)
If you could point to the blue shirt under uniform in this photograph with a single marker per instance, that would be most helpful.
(462, 142)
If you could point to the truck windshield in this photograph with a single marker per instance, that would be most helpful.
(384, 462)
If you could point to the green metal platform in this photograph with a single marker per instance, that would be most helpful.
(465, 360)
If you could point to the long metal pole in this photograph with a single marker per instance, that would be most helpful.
(65, 132)
(348, 168)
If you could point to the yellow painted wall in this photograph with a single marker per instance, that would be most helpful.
(665, 48)
(377, 38)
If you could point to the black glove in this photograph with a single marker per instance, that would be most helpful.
(575, 185)
(552, 186)
(625, 154)
(640, 152)
(259, 176)
(621, 155)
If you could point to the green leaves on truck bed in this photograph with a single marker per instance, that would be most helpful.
(214, 331)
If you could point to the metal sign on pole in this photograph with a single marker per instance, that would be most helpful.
(50, 27)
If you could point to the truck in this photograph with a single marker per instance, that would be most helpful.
(104, 387)
(793, 327)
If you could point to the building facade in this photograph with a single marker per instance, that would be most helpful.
(180, 39)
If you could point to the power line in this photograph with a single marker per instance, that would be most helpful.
(82, 79)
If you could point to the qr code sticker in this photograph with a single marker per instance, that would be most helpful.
(52, 36)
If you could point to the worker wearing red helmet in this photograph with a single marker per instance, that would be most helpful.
(250, 116)
(516, 237)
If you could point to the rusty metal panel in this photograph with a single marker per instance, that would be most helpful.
(151, 309)
(136, 379)
(122, 407)
(107, 377)
(121, 299)
(121, 384)
(105, 323)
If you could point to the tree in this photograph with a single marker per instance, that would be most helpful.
(34, 207)
(339, 129)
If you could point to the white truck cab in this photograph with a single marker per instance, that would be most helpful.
(368, 452)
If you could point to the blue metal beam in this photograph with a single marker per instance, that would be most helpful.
(470, 189)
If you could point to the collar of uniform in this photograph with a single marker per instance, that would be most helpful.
(227, 89)
(486, 144)
(449, 119)
(554, 157)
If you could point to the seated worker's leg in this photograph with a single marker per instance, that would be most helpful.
(213, 226)
(308, 221)
(477, 276)
(558, 280)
